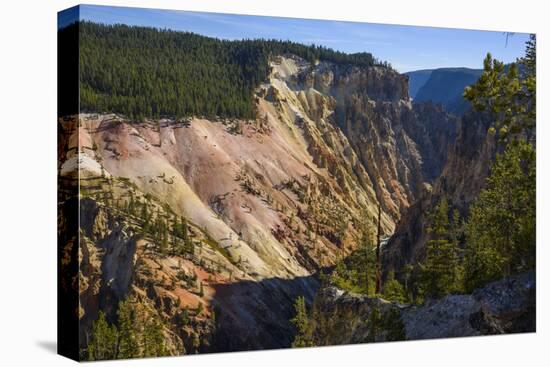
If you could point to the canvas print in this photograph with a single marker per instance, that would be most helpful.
(237, 183)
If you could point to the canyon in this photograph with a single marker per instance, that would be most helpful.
(268, 202)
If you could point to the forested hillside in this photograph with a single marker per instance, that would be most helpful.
(146, 72)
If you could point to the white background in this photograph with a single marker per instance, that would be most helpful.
(28, 182)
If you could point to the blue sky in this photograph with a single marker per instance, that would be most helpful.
(407, 48)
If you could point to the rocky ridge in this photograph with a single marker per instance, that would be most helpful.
(502, 307)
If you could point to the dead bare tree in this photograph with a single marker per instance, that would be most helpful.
(378, 259)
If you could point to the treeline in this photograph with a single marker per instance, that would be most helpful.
(146, 72)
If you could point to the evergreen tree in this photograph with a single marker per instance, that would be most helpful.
(153, 338)
(132, 205)
(500, 231)
(301, 322)
(357, 273)
(145, 217)
(393, 290)
(369, 260)
(103, 343)
(150, 73)
(407, 272)
(395, 330)
(441, 272)
(501, 236)
(507, 93)
(128, 338)
(201, 290)
(199, 309)
(164, 242)
(183, 232)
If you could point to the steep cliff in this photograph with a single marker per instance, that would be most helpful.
(400, 146)
(462, 178)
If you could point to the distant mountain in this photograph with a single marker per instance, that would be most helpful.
(444, 86)
(417, 79)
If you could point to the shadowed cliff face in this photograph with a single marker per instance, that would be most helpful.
(256, 315)
(462, 178)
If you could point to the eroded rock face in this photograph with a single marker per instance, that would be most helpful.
(462, 178)
(343, 318)
(116, 263)
(107, 262)
(502, 307)
(508, 306)
(446, 318)
(400, 145)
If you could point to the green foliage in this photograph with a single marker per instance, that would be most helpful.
(529, 61)
(103, 343)
(393, 290)
(302, 323)
(182, 318)
(163, 243)
(180, 231)
(407, 276)
(145, 329)
(384, 325)
(201, 290)
(128, 338)
(145, 217)
(153, 338)
(145, 72)
(501, 227)
(500, 231)
(357, 273)
(441, 272)
(139, 334)
(508, 93)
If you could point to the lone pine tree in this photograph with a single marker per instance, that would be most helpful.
(301, 322)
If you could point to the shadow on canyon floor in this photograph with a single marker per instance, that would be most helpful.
(256, 315)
